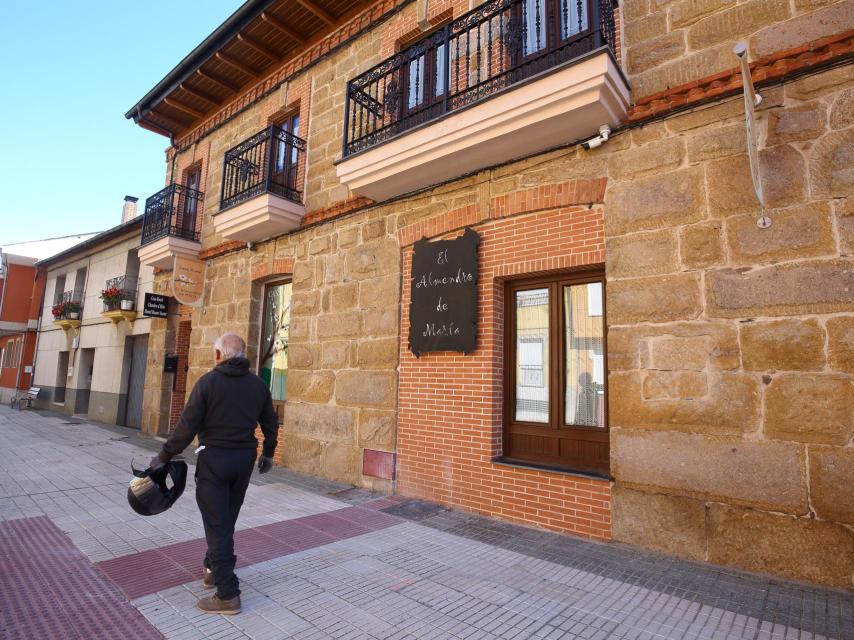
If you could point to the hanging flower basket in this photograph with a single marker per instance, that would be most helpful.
(71, 310)
(111, 296)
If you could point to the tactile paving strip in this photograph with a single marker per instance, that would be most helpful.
(49, 590)
(141, 574)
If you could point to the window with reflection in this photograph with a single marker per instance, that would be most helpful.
(556, 404)
(273, 352)
(547, 24)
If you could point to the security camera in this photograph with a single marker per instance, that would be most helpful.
(604, 133)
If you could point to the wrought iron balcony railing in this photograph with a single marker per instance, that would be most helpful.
(172, 211)
(499, 44)
(117, 290)
(271, 161)
(67, 306)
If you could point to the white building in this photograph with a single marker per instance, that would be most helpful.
(91, 352)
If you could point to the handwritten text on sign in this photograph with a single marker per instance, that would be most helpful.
(443, 307)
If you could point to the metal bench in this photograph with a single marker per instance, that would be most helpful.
(25, 399)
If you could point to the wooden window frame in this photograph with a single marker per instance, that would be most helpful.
(264, 286)
(196, 213)
(551, 27)
(429, 87)
(555, 283)
(289, 168)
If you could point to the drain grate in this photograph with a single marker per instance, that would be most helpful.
(415, 510)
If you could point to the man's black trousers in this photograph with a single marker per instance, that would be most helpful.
(222, 476)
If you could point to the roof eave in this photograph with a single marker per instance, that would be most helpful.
(116, 231)
(198, 56)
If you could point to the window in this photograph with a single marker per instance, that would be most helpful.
(425, 78)
(12, 354)
(421, 76)
(192, 180)
(19, 348)
(273, 352)
(79, 285)
(556, 409)
(285, 153)
(59, 288)
(538, 16)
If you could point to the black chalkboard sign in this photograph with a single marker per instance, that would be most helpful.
(443, 306)
(155, 306)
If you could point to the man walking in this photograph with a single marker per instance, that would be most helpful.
(223, 409)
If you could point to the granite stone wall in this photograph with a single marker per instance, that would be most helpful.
(730, 347)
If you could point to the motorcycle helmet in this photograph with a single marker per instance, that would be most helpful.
(148, 493)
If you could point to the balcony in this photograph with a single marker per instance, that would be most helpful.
(169, 226)
(119, 297)
(261, 187)
(67, 310)
(509, 79)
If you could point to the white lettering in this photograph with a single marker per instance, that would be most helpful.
(444, 330)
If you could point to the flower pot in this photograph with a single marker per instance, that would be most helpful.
(73, 315)
(127, 305)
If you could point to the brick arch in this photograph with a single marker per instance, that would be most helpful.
(280, 267)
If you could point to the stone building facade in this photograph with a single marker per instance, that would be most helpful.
(727, 385)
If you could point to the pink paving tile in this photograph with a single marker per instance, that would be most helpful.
(296, 534)
(252, 546)
(49, 590)
(188, 555)
(151, 571)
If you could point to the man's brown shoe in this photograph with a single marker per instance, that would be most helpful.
(215, 604)
(208, 580)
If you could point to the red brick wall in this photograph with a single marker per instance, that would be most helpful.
(19, 293)
(450, 404)
(182, 348)
(8, 375)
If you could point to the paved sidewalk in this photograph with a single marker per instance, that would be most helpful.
(318, 561)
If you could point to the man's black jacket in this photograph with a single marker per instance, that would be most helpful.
(223, 409)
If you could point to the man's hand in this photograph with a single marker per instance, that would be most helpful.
(264, 464)
(156, 464)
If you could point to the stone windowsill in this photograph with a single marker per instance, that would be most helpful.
(507, 462)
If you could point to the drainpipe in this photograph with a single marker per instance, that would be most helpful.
(4, 270)
(20, 362)
(38, 326)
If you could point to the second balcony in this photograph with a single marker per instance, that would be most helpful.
(505, 81)
(262, 187)
(170, 226)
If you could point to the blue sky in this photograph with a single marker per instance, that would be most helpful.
(68, 73)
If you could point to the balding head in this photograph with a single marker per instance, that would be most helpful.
(229, 345)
